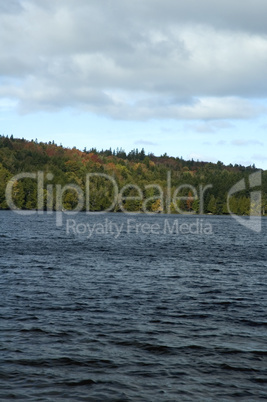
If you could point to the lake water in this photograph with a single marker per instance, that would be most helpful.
(141, 308)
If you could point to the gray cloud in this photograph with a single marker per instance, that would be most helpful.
(143, 142)
(260, 157)
(210, 126)
(250, 16)
(242, 143)
(136, 60)
(10, 7)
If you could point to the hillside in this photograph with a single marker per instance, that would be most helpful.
(157, 178)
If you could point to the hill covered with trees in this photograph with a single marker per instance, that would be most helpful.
(167, 184)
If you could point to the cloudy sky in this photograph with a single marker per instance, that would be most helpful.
(183, 77)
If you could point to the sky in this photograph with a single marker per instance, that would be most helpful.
(186, 78)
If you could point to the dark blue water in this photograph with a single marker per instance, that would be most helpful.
(144, 315)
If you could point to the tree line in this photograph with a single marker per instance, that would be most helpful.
(70, 166)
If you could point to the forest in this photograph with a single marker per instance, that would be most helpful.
(160, 183)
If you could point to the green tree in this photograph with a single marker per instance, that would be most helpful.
(212, 206)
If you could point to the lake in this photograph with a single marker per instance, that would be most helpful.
(117, 307)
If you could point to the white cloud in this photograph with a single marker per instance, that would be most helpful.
(136, 60)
